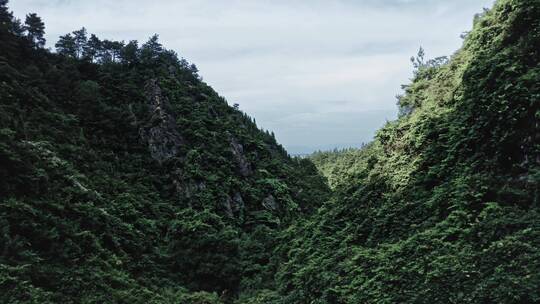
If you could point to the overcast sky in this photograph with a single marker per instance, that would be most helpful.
(320, 74)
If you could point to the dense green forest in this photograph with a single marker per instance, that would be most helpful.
(124, 178)
(338, 166)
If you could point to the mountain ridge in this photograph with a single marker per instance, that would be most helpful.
(124, 178)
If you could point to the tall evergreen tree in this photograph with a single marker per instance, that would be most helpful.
(151, 49)
(35, 29)
(93, 48)
(116, 49)
(66, 46)
(5, 15)
(8, 46)
(111, 50)
(81, 39)
(129, 53)
(17, 27)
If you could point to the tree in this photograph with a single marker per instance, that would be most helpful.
(66, 46)
(193, 69)
(418, 61)
(81, 40)
(130, 53)
(116, 49)
(105, 54)
(5, 16)
(93, 48)
(35, 29)
(17, 27)
(151, 49)
(111, 50)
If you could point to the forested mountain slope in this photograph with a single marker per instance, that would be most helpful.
(338, 166)
(124, 178)
(443, 207)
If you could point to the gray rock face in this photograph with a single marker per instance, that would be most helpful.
(160, 132)
(270, 203)
(227, 204)
(239, 201)
(235, 205)
(244, 167)
(187, 188)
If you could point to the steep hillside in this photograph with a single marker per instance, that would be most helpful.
(124, 178)
(339, 166)
(443, 207)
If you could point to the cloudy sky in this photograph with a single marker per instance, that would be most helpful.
(320, 74)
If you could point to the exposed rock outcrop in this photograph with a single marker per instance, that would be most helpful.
(270, 203)
(244, 167)
(187, 188)
(234, 206)
(160, 131)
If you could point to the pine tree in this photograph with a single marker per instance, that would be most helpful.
(152, 48)
(111, 50)
(35, 29)
(67, 46)
(17, 27)
(81, 40)
(116, 49)
(93, 48)
(6, 16)
(129, 53)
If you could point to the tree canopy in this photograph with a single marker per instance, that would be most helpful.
(124, 178)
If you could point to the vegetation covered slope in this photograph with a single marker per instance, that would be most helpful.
(124, 178)
(443, 207)
(338, 166)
